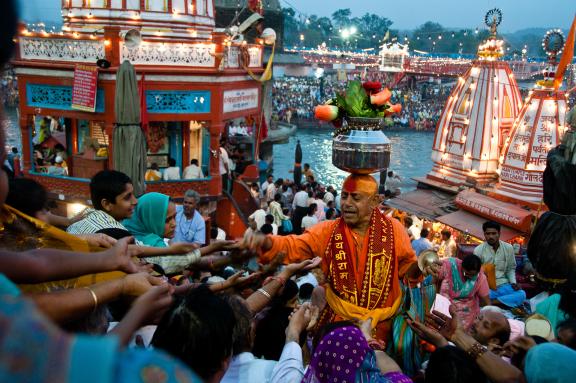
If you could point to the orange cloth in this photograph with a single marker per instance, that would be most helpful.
(350, 311)
(314, 241)
(566, 58)
(152, 175)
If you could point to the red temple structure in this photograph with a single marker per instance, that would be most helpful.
(196, 83)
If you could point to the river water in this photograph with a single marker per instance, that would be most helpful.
(9, 122)
(410, 152)
(410, 155)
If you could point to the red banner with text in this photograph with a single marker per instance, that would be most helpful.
(85, 87)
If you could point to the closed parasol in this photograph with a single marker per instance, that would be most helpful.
(129, 139)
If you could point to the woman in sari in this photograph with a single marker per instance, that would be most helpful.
(465, 285)
(154, 220)
(153, 224)
(345, 354)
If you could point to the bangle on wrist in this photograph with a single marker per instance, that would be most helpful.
(476, 351)
(94, 297)
(377, 345)
(264, 292)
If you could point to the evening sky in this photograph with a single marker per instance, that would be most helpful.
(406, 14)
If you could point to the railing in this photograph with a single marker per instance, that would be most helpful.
(160, 53)
(440, 66)
(61, 49)
(83, 50)
(186, 54)
(523, 70)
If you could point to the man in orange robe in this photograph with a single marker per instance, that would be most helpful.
(364, 256)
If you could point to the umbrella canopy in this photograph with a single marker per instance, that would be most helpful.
(298, 164)
(129, 140)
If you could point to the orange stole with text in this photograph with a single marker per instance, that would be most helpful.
(369, 281)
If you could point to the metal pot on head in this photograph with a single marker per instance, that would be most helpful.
(361, 147)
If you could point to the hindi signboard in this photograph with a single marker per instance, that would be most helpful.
(85, 87)
(240, 99)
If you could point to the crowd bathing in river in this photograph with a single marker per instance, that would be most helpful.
(324, 286)
(295, 98)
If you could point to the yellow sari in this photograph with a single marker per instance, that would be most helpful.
(20, 232)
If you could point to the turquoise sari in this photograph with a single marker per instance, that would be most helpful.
(33, 349)
(405, 345)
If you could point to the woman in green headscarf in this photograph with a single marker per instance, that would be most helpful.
(153, 224)
(154, 220)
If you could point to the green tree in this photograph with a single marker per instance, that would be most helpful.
(372, 29)
(325, 26)
(291, 27)
(341, 17)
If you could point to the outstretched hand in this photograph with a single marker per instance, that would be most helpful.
(271, 267)
(428, 334)
(98, 240)
(119, 256)
(148, 308)
(221, 246)
(139, 284)
(518, 346)
(433, 269)
(254, 241)
(183, 247)
(443, 323)
(366, 327)
(309, 264)
(154, 303)
(238, 279)
(299, 321)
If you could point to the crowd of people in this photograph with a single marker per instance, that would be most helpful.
(8, 87)
(136, 289)
(196, 314)
(287, 207)
(295, 97)
(421, 108)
